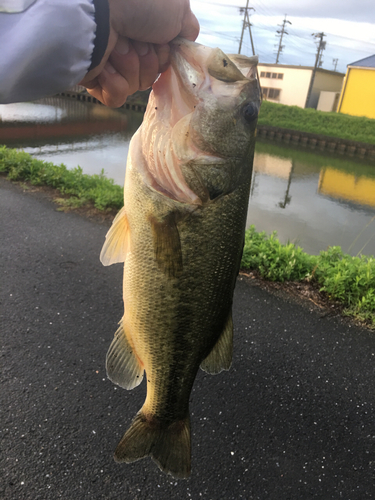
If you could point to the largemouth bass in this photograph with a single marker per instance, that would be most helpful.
(180, 235)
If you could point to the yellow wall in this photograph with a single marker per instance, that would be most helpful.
(358, 94)
(345, 186)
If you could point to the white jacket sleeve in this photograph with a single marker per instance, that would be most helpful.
(46, 46)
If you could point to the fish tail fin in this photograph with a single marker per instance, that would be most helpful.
(168, 446)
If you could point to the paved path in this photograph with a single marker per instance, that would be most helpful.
(293, 419)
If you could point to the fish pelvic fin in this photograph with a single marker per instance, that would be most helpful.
(220, 357)
(122, 364)
(169, 446)
(117, 240)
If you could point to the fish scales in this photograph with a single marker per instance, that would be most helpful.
(180, 236)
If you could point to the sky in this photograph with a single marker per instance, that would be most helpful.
(349, 27)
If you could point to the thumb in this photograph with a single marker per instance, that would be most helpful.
(190, 27)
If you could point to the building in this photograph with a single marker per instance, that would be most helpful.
(290, 85)
(358, 96)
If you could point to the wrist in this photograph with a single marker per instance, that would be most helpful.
(104, 43)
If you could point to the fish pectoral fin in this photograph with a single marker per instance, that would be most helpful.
(123, 367)
(220, 357)
(116, 243)
(169, 446)
(167, 245)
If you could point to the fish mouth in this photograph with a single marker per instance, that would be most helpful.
(196, 73)
(225, 67)
(197, 70)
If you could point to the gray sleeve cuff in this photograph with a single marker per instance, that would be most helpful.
(102, 32)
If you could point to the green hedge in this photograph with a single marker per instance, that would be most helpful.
(353, 128)
(351, 280)
(82, 188)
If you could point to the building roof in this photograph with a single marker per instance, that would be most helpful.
(367, 62)
(271, 65)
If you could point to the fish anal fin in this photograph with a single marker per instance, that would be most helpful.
(122, 364)
(167, 245)
(169, 446)
(220, 357)
(117, 240)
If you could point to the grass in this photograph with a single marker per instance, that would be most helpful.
(354, 128)
(81, 188)
(350, 280)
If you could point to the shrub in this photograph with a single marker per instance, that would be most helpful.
(350, 280)
(98, 189)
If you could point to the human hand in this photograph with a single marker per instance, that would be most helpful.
(154, 21)
(132, 62)
(131, 66)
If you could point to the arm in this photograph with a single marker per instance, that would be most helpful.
(45, 47)
(112, 47)
(143, 29)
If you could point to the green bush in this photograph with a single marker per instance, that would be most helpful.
(273, 260)
(98, 189)
(350, 280)
(353, 128)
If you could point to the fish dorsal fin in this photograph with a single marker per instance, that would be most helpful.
(123, 366)
(220, 357)
(117, 240)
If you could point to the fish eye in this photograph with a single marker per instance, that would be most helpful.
(250, 112)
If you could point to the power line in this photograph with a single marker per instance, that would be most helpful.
(297, 39)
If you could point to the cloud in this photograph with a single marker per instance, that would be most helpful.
(348, 25)
(360, 11)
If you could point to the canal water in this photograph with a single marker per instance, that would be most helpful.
(311, 199)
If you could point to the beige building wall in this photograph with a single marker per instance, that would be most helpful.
(293, 86)
(324, 81)
(328, 101)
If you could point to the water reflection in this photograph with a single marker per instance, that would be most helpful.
(31, 112)
(71, 132)
(312, 199)
(349, 187)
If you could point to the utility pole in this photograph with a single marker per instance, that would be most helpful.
(281, 32)
(318, 62)
(246, 24)
(323, 46)
(334, 62)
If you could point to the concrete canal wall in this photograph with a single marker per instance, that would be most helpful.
(79, 96)
(317, 142)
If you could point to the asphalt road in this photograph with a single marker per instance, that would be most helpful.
(292, 419)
